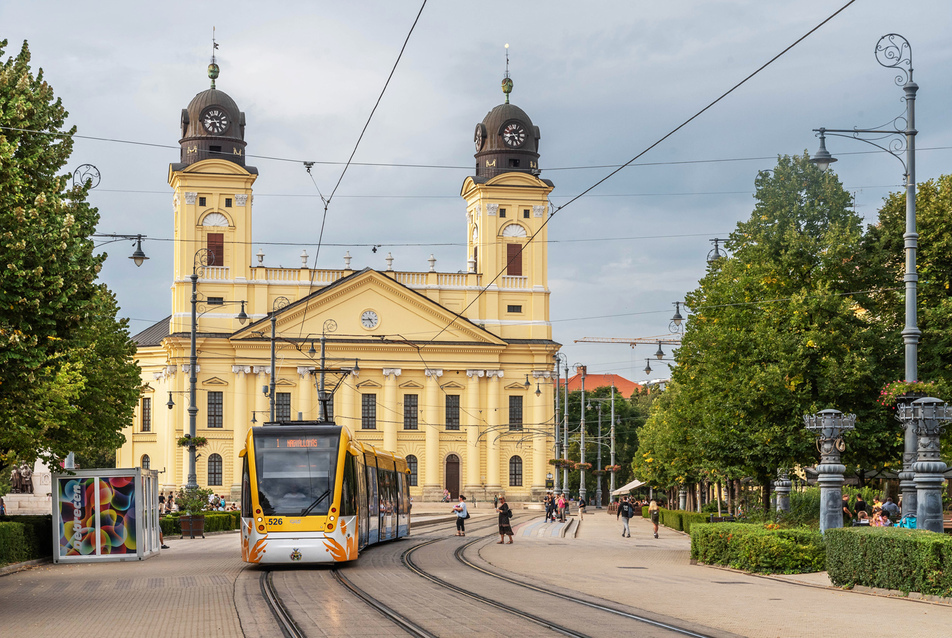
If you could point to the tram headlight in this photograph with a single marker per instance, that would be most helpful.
(330, 526)
(332, 518)
(259, 519)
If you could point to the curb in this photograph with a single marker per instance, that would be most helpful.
(19, 567)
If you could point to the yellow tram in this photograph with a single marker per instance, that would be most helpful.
(310, 493)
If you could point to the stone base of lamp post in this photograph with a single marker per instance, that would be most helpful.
(683, 498)
(830, 480)
(782, 487)
(929, 478)
(907, 483)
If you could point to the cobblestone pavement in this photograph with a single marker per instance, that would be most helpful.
(656, 575)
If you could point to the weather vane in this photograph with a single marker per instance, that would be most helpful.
(213, 67)
(506, 81)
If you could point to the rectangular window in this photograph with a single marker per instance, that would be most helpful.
(214, 151)
(215, 416)
(411, 411)
(525, 213)
(502, 212)
(514, 260)
(201, 201)
(330, 408)
(215, 242)
(513, 163)
(515, 412)
(216, 301)
(282, 406)
(513, 308)
(146, 414)
(452, 412)
(228, 204)
(368, 411)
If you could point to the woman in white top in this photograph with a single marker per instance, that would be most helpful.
(461, 515)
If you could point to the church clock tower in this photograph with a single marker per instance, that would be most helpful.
(507, 205)
(212, 197)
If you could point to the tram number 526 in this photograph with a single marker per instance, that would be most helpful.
(275, 521)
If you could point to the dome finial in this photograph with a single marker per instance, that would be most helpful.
(506, 81)
(213, 67)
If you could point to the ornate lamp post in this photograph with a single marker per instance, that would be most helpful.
(581, 483)
(276, 305)
(565, 428)
(927, 417)
(202, 259)
(829, 425)
(893, 52)
(782, 487)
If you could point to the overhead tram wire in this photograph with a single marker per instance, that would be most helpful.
(350, 159)
(642, 153)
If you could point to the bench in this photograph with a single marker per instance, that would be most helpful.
(722, 519)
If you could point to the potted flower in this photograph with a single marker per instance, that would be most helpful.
(192, 502)
(192, 441)
(597, 472)
(583, 466)
(907, 391)
(555, 462)
(612, 468)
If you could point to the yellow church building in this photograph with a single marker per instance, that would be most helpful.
(452, 370)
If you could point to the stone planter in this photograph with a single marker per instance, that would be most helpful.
(192, 525)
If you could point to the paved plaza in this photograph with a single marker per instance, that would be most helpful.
(201, 587)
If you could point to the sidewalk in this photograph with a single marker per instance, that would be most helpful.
(656, 575)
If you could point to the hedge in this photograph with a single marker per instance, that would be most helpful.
(679, 520)
(754, 548)
(25, 538)
(214, 522)
(890, 558)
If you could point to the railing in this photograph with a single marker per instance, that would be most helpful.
(282, 274)
(513, 282)
(217, 273)
(411, 278)
(451, 279)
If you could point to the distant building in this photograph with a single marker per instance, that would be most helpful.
(622, 385)
(439, 363)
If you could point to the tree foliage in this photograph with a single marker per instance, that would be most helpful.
(67, 379)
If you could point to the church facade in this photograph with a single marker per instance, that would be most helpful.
(452, 370)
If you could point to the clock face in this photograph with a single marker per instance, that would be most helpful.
(215, 120)
(479, 137)
(514, 134)
(369, 319)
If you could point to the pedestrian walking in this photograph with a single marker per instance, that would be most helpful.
(581, 509)
(505, 527)
(461, 515)
(624, 512)
(655, 513)
(495, 501)
(561, 507)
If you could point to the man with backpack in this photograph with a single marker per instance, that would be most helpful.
(625, 512)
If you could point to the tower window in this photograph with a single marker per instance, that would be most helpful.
(146, 462)
(515, 412)
(201, 201)
(502, 212)
(513, 163)
(411, 415)
(514, 309)
(215, 409)
(452, 412)
(514, 260)
(368, 411)
(216, 301)
(146, 414)
(215, 150)
(228, 204)
(215, 242)
(525, 213)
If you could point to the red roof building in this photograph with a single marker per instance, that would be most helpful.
(622, 385)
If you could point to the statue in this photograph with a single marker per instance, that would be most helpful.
(26, 475)
(16, 483)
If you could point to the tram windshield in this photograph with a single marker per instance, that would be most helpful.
(295, 472)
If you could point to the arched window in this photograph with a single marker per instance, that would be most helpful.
(146, 462)
(412, 466)
(214, 469)
(515, 471)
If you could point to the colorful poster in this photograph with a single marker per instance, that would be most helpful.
(117, 519)
(77, 533)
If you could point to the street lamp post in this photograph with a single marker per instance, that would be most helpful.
(928, 416)
(598, 465)
(202, 259)
(276, 305)
(581, 484)
(894, 52)
(612, 478)
(829, 426)
(558, 389)
(565, 430)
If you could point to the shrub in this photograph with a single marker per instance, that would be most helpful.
(755, 548)
(38, 530)
(890, 558)
(14, 546)
(214, 522)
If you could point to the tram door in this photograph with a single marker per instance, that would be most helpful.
(452, 476)
(373, 500)
(385, 480)
(363, 524)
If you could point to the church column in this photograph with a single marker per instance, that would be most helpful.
(432, 490)
(171, 449)
(470, 416)
(540, 445)
(344, 403)
(356, 404)
(241, 421)
(493, 431)
(390, 411)
(306, 395)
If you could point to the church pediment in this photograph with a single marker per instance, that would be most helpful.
(516, 386)
(411, 385)
(369, 384)
(284, 383)
(214, 381)
(452, 385)
(372, 306)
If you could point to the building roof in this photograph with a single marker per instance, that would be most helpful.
(154, 334)
(592, 381)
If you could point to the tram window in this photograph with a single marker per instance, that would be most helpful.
(295, 472)
(348, 502)
(245, 490)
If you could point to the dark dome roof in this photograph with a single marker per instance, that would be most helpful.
(212, 127)
(495, 156)
(210, 97)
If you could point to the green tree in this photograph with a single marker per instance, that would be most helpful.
(65, 362)
(780, 329)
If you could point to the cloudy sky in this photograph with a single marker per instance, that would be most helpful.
(603, 83)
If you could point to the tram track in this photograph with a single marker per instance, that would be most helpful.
(289, 629)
